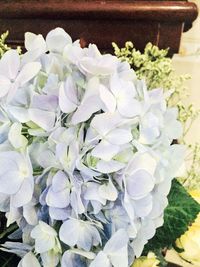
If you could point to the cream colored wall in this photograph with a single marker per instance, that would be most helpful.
(189, 62)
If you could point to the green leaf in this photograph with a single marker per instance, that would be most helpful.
(181, 211)
(8, 260)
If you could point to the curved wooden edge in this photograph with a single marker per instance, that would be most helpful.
(132, 10)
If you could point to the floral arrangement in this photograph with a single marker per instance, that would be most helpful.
(156, 68)
(86, 157)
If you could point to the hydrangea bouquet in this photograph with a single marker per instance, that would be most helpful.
(86, 155)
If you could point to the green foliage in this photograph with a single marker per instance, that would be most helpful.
(179, 214)
(153, 65)
(8, 260)
(3, 45)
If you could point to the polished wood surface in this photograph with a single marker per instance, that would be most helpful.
(101, 22)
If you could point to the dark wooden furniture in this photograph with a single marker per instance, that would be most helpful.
(101, 22)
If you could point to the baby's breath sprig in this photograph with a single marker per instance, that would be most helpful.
(3, 46)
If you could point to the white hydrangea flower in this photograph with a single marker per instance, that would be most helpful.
(45, 237)
(86, 154)
(12, 76)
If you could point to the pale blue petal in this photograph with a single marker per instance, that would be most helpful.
(101, 260)
(69, 232)
(59, 214)
(24, 194)
(10, 182)
(140, 184)
(60, 181)
(117, 242)
(59, 199)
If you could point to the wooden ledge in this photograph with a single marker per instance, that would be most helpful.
(127, 10)
(100, 22)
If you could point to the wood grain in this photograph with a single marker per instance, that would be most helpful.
(100, 22)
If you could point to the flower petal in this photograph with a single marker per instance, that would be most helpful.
(5, 85)
(108, 191)
(107, 98)
(57, 39)
(105, 150)
(9, 64)
(119, 136)
(28, 71)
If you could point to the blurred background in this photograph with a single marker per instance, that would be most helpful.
(188, 61)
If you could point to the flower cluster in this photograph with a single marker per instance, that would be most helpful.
(86, 154)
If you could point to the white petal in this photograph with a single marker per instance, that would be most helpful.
(129, 107)
(44, 237)
(15, 138)
(28, 71)
(66, 105)
(108, 191)
(44, 119)
(119, 136)
(5, 85)
(57, 39)
(24, 194)
(29, 260)
(33, 41)
(140, 184)
(120, 257)
(92, 88)
(86, 109)
(47, 159)
(105, 150)
(9, 64)
(92, 193)
(109, 166)
(143, 206)
(105, 122)
(19, 113)
(107, 98)
(101, 260)
(30, 214)
(142, 161)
